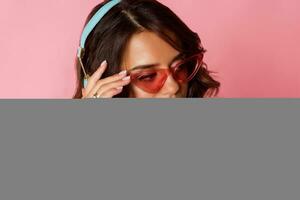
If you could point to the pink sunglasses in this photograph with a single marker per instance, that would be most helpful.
(152, 80)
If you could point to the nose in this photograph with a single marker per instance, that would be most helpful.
(170, 87)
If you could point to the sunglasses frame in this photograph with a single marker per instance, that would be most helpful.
(199, 57)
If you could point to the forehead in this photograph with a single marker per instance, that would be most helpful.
(147, 48)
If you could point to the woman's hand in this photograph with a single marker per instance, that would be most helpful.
(107, 87)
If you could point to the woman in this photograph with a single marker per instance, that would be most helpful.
(140, 49)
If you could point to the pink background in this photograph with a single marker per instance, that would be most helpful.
(254, 45)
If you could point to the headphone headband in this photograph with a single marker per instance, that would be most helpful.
(92, 24)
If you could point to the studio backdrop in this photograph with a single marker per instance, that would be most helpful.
(252, 45)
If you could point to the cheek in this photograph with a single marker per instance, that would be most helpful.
(136, 92)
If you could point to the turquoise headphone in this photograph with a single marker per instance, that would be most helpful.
(89, 28)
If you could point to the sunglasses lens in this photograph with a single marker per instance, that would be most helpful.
(150, 80)
(186, 70)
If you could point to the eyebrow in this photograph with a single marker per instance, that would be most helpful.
(179, 56)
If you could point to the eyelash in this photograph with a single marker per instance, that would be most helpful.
(146, 76)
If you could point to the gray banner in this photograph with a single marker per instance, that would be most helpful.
(187, 149)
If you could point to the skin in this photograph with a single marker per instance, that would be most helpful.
(144, 48)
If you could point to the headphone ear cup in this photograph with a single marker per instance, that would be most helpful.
(85, 82)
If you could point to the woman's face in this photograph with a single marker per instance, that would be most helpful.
(146, 48)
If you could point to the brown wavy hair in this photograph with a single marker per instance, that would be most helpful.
(109, 38)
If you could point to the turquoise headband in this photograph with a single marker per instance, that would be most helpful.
(89, 28)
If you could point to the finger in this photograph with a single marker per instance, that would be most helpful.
(100, 83)
(113, 78)
(108, 86)
(96, 76)
(111, 85)
(112, 92)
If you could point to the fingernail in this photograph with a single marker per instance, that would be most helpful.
(126, 78)
(124, 72)
(119, 88)
(103, 63)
